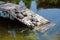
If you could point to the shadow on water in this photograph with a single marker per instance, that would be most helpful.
(10, 30)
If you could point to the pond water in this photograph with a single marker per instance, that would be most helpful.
(52, 14)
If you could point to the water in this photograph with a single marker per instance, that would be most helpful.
(52, 14)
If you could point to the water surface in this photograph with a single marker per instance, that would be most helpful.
(52, 14)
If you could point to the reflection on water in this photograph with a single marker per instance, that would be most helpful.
(10, 30)
(54, 16)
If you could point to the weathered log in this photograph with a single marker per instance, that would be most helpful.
(26, 16)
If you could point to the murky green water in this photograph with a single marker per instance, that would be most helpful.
(9, 30)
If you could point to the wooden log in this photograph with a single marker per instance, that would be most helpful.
(26, 16)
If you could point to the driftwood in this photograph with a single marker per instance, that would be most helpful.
(26, 16)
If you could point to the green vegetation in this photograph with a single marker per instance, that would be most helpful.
(4, 35)
(58, 36)
(13, 1)
(40, 3)
(53, 1)
(27, 3)
(48, 4)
